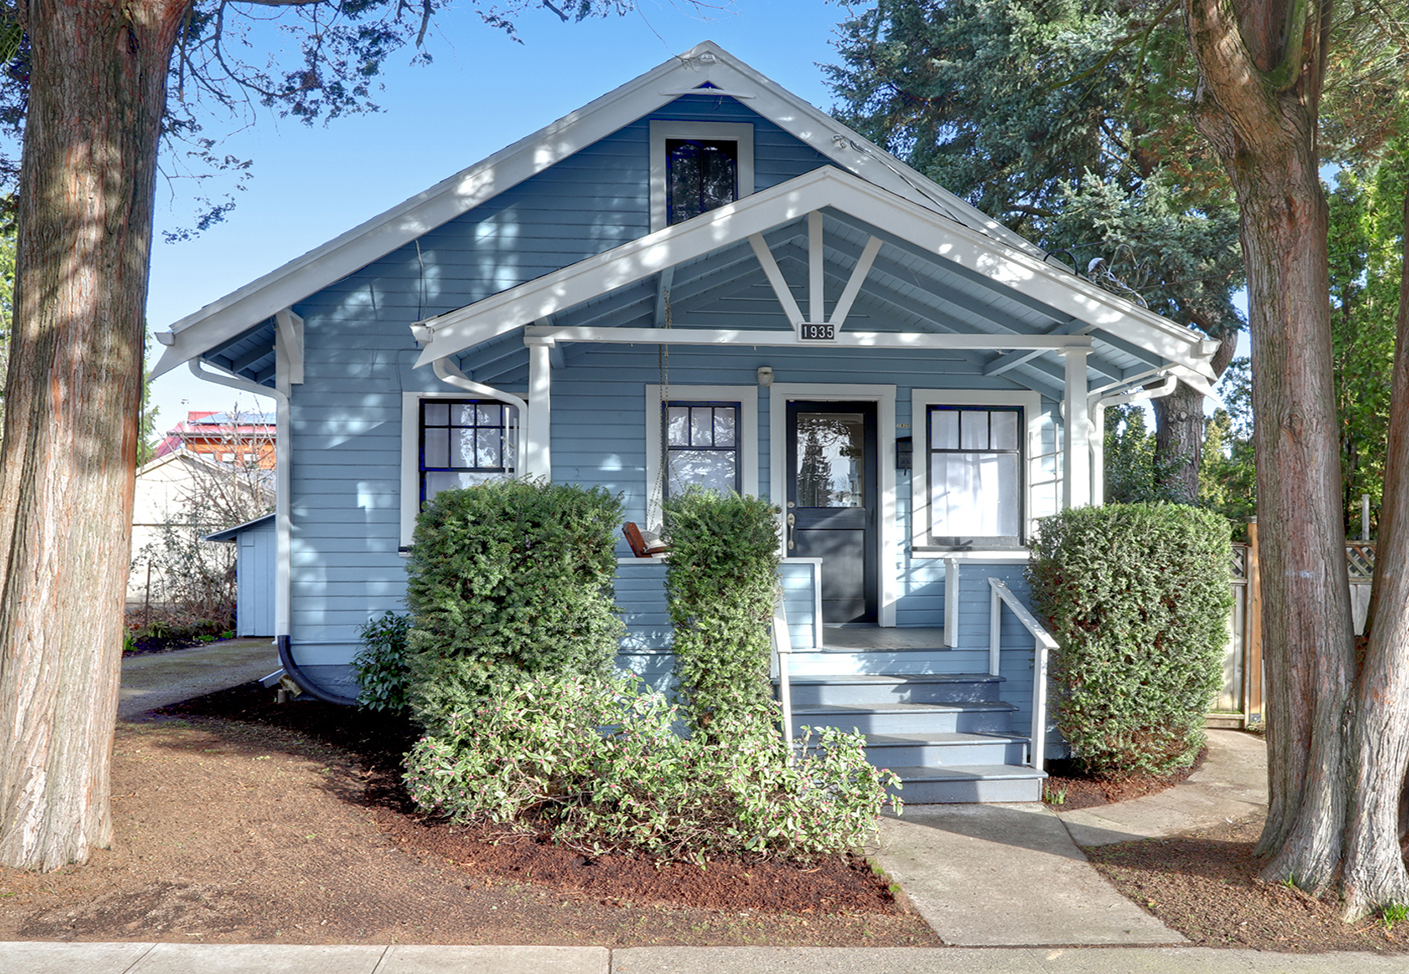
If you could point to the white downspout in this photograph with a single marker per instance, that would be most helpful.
(448, 372)
(282, 461)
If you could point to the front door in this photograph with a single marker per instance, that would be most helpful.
(833, 500)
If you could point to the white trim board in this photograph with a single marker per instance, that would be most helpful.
(888, 544)
(245, 307)
(745, 396)
(920, 401)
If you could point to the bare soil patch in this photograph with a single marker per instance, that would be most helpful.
(1068, 788)
(1205, 885)
(237, 820)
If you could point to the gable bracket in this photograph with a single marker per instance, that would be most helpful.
(288, 340)
(775, 280)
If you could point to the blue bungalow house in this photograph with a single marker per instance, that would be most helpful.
(700, 278)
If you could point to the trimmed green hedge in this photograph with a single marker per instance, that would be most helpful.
(1137, 596)
(721, 583)
(509, 580)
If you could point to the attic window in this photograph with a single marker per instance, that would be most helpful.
(701, 175)
(697, 167)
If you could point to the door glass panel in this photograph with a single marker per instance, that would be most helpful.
(830, 460)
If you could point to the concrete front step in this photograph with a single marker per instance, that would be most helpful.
(860, 688)
(983, 717)
(970, 783)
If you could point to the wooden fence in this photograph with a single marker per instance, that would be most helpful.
(1240, 700)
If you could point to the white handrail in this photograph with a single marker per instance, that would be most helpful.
(1042, 645)
(782, 649)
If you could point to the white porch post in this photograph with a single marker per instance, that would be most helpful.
(1098, 454)
(1076, 435)
(537, 427)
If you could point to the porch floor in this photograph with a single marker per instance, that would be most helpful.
(853, 638)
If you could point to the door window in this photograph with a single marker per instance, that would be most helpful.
(831, 470)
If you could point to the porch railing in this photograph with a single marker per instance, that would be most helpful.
(782, 649)
(1042, 645)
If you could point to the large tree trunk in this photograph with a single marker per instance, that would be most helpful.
(1179, 429)
(97, 92)
(1374, 863)
(1179, 442)
(1260, 78)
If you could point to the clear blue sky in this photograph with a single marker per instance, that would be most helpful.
(481, 93)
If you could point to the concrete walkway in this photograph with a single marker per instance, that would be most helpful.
(157, 679)
(1001, 875)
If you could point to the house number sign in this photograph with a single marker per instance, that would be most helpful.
(809, 332)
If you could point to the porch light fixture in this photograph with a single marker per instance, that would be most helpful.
(765, 375)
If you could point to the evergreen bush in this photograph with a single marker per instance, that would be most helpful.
(382, 668)
(598, 766)
(509, 580)
(721, 583)
(1137, 597)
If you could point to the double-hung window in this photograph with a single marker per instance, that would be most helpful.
(464, 442)
(974, 467)
(701, 446)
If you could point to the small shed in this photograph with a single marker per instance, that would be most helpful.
(255, 549)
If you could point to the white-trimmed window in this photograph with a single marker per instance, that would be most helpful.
(974, 465)
(696, 167)
(452, 441)
(705, 435)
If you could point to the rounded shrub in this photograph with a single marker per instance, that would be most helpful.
(1137, 597)
(509, 580)
(721, 583)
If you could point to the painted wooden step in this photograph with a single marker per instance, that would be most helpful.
(862, 688)
(970, 783)
(944, 750)
(909, 718)
(916, 662)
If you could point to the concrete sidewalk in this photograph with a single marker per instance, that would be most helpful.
(144, 958)
(158, 679)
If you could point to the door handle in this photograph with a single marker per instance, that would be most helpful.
(792, 522)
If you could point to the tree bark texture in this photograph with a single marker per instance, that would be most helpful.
(1179, 429)
(1179, 441)
(1264, 132)
(1374, 863)
(97, 93)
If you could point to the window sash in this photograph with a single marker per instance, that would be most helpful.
(464, 442)
(701, 175)
(975, 473)
(700, 444)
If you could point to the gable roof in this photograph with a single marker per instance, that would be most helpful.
(994, 271)
(705, 66)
